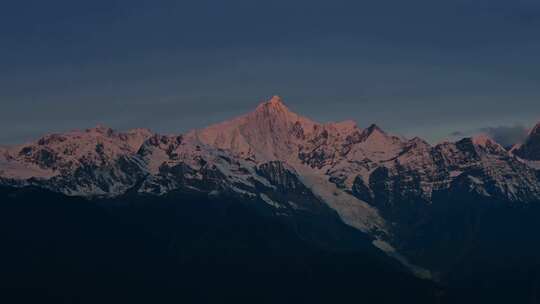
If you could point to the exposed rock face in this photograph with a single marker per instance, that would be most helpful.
(280, 175)
(420, 171)
(530, 150)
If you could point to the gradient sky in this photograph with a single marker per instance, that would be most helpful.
(428, 68)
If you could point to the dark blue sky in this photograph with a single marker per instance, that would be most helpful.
(428, 68)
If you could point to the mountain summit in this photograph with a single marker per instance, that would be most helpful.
(530, 149)
(270, 132)
(274, 104)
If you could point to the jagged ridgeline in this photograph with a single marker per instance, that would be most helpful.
(457, 217)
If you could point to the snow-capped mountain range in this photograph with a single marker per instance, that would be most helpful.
(279, 158)
(364, 162)
(349, 157)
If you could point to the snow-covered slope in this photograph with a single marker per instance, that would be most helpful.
(97, 161)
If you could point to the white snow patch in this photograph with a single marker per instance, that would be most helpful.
(455, 173)
(269, 201)
(352, 211)
(295, 206)
(391, 252)
(535, 164)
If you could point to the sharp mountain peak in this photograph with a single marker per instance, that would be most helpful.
(274, 109)
(535, 130)
(375, 128)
